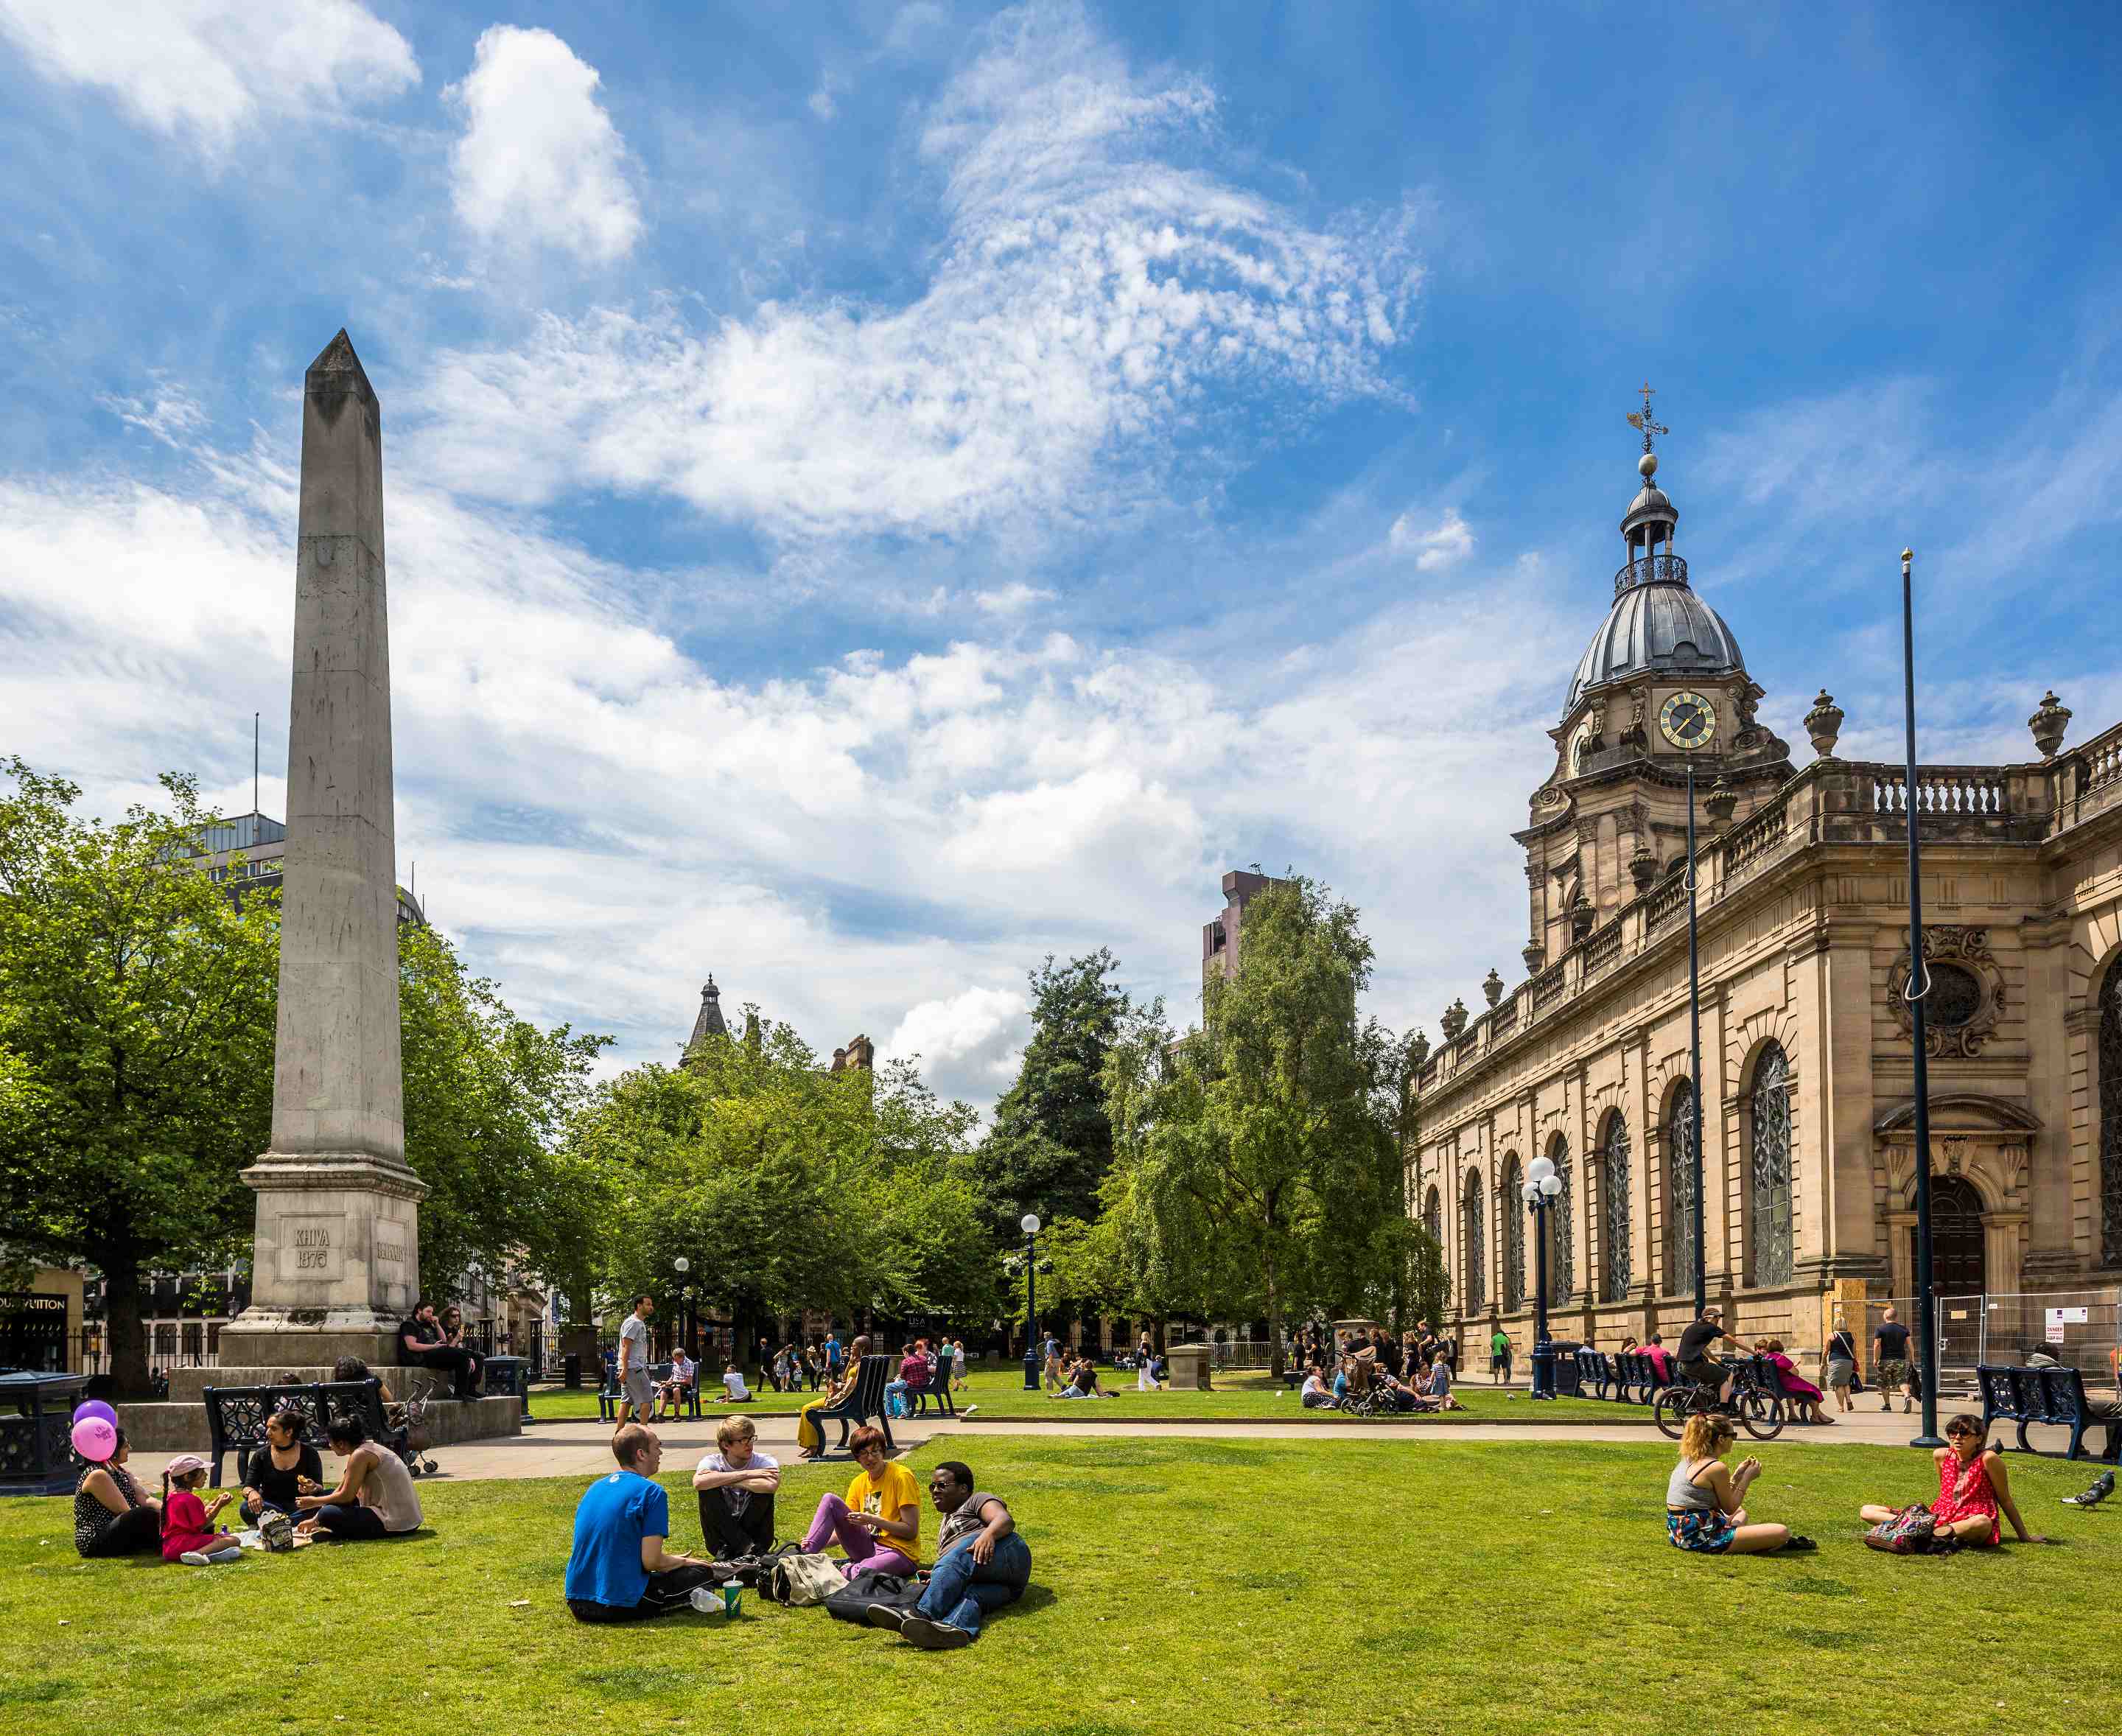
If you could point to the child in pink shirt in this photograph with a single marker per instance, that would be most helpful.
(188, 1532)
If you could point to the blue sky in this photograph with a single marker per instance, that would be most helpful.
(881, 493)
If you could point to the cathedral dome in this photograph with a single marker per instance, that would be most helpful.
(1657, 625)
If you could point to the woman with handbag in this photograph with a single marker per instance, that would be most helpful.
(1841, 1366)
(1973, 1489)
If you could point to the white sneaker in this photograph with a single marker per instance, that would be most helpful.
(201, 1558)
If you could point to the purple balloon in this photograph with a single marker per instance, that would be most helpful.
(96, 1438)
(95, 1407)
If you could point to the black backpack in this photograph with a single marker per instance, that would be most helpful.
(872, 1587)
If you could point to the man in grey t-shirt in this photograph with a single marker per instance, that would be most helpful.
(636, 1392)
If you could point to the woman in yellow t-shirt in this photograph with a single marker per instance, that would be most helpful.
(878, 1524)
(810, 1438)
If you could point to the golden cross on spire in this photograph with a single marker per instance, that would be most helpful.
(1641, 419)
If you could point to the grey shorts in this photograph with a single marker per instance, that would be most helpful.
(640, 1389)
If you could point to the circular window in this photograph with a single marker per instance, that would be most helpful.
(1954, 997)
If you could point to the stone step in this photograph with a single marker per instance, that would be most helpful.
(179, 1427)
(188, 1386)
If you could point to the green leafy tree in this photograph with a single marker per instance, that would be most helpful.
(787, 1186)
(136, 1033)
(1259, 1171)
(137, 1028)
(1052, 1141)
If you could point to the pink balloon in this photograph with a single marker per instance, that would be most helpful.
(96, 1438)
(96, 1407)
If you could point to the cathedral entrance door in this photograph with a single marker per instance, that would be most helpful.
(1958, 1264)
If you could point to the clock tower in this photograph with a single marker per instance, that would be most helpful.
(1662, 682)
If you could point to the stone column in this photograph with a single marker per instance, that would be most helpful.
(337, 1257)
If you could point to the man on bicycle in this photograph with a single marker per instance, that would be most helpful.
(1697, 1364)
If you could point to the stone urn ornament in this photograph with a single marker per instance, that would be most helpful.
(1643, 868)
(1824, 724)
(2049, 724)
(1417, 1051)
(1454, 1020)
(1535, 955)
(1581, 917)
(1492, 986)
(1721, 801)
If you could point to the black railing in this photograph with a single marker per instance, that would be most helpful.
(1651, 570)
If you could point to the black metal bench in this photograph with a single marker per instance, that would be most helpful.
(235, 1416)
(939, 1389)
(864, 1402)
(2052, 1396)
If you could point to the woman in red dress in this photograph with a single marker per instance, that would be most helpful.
(1973, 1487)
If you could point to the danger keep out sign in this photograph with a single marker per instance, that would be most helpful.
(2058, 1318)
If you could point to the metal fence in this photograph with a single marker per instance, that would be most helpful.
(2082, 1328)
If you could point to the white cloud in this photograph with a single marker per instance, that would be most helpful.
(1012, 599)
(215, 69)
(822, 106)
(883, 846)
(1095, 304)
(968, 1043)
(540, 159)
(1444, 544)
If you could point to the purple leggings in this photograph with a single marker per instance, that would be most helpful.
(866, 1552)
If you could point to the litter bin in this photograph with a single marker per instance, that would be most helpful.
(1569, 1376)
(510, 1375)
(572, 1377)
(36, 1415)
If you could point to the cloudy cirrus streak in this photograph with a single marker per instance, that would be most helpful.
(1091, 301)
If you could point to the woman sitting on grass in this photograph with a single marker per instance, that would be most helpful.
(112, 1514)
(1795, 1386)
(375, 1497)
(810, 1438)
(283, 1470)
(1313, 1395)
(1972, 1486)
(877, 1522)
(1703, 1512)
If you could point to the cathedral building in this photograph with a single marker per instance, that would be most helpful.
(1806, 1068)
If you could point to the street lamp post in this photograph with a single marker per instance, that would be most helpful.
(1542, 1186)
(1926, 1304)
(681, 1265)
(1030, 1225)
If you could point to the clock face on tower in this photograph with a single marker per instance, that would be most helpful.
(1687, 720)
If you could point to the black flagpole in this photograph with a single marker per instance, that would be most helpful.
(1926, 1303)
(1694, 1056)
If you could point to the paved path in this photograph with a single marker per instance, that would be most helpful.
(582, 1448)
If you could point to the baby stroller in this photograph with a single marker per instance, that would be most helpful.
(410, 1415)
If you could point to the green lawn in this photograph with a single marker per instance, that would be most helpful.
(1253, 1397)
(1181, 1585)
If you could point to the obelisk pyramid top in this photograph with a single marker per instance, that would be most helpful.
(338, 357)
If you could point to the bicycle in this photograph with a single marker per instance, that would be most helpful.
(1756, 1404)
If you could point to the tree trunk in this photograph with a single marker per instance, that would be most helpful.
(1278, 1364)
(122, 1321)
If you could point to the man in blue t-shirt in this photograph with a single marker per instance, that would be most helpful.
(620, 1571)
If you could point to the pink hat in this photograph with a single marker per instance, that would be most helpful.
(184, 1464)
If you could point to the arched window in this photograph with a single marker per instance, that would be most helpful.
(1613, 1184)
(1679, 1191)
(1433, 1218)
(1512, 1209)
(1768, 1173)
(2111, 1115)
(1472, 1285)
(1561, 1216)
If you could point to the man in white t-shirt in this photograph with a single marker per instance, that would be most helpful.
(733, 1384)
(736, 1482)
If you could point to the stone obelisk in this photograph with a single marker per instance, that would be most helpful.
(337, 1258)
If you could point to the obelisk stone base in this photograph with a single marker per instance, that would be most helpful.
(337, 1262)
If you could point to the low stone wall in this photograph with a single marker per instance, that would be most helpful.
(181, 1428)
